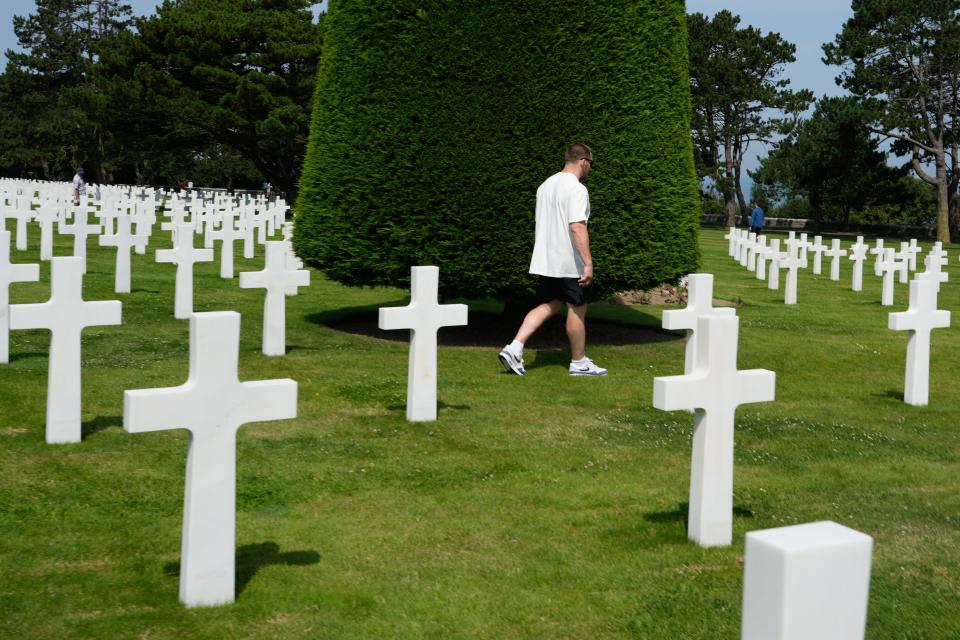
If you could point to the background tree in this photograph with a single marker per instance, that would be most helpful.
(833, 160)
(736, 89)
(904, 55)
(436, 121)
(47, 90)
(218, 72)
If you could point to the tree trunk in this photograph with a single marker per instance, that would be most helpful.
(745, 214)
(943, 202)
(731, 209)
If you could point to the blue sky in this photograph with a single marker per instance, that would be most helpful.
(807, 24)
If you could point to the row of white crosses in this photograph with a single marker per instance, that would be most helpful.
(753, 252)
(800, 582)
(208, 542)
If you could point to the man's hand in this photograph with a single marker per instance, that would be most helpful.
(587, 276)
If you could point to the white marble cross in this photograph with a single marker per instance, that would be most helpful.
(791, 262)
(22, 214)
(80, 229)
(934, 270)
(276, 279)
(903, 257)
(877, 251)
(731, 237)
(763, 252)
(913, 250)
(227, 234)
(699, 303)
(806, 582)
(66, 315)
(818, 249)
(213, 404)
(803, 245)
(424, 317)
(773, 279)
(747, 253)
(184, 255)
(714, 389)
(858, 253)
(835, 253)
(887, 266)
(919, 319)
(47, 215)
(123, 240)
(10, 273)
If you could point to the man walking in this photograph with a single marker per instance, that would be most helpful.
(756, 219)
(561, 257)
(79, 186)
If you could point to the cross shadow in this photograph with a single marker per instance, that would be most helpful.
(250, 558)
(682, 514)
(895, 394)
(100, 423)
(15, 357)
(440, 405)
(548, 358)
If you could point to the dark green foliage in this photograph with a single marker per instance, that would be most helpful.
(203, 75)
(435, 122)
(833, 160)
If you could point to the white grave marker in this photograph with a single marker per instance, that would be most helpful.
(806, 582)
(213, 404)
(858, 253)
(791, 262)
(66, 315)
(276, 279)
(763, 252)
(699, 303)
(227, 234)
(10, 273)
(80, 229)
(714, 389)
(184, 255)
(920, 318)
(878, 252)
(818, 249)
(887, 266)
(424, 317)
(835, 253)
(773, 279)
(123, 240)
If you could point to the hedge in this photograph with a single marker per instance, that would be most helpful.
(435, 122)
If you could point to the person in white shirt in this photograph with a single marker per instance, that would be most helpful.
(79, 186)
(561, 257)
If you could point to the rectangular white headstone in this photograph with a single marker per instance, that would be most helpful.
(806, 582)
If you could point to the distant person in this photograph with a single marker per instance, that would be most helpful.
(561, 257)
(756, 219)
(267, 188)
(79, 186)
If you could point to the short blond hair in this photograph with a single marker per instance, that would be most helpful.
(577, 151)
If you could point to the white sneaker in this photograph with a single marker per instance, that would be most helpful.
(512, 362)
(587, 368)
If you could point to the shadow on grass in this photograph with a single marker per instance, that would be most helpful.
(440, 406)
(90, 427)
(682, 514)
(15, 357)
(250, 558)
(492, 330)
(894, 394)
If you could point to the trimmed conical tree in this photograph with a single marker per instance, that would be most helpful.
(435, 121)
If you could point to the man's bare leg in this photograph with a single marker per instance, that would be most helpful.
(577, 331)
(535, 319)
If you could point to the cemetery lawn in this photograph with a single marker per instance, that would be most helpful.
(535, 507)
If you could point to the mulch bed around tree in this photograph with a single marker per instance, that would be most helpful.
(494, 331)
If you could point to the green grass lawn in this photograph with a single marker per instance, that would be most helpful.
(536, 507)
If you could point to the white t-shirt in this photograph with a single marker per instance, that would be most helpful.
(561, 200)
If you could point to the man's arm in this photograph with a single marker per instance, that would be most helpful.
(581, 240)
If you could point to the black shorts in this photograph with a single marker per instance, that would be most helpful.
(564, 290)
